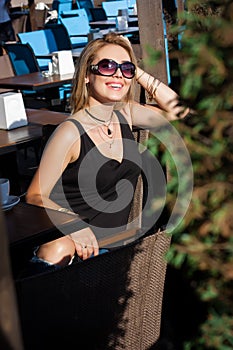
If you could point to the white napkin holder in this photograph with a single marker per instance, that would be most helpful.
(122, 19)
(12, 111)
(62, 62)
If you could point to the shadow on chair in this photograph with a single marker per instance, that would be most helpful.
(22, 58)
(112, 301)
(61, 36)
(98, 14)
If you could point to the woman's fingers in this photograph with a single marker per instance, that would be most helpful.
(95, 245)
(84, 251)
(96, 250)
(79, 249)
(85, 243)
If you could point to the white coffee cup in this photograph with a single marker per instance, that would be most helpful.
(4, 190)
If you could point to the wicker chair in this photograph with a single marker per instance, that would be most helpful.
(112, 301)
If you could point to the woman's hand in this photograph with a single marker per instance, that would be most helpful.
(85, 243)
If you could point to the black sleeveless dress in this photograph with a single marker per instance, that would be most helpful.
(98, 188)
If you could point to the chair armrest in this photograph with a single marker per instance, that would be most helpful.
(44, 56)
(122, 238)
(33, 225)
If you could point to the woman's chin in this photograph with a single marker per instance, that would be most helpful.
(110, 98)
(115, 98)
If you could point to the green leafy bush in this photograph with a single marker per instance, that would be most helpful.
(203, 242)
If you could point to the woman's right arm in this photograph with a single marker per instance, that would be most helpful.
(61, 149)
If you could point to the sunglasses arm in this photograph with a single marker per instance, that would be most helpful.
(94, 68)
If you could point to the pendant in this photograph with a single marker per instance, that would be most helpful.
(107, 131)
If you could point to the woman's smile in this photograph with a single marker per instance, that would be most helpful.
(114, 85)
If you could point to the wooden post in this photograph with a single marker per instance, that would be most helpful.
(32, 14)
(97, 3)
(10, 336)
(151, 33)
(180, 6)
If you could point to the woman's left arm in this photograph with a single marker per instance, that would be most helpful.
(166, 98)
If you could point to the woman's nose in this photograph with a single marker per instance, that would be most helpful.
(118, 73)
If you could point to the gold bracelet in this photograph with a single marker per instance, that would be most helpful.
(152, 88)
(65, 210)
(137, 79)
(157, 85)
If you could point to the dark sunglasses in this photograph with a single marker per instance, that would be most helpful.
(109, 67)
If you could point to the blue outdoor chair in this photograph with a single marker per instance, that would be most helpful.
(22, 58)
(62, 5)
(42, 43)
(87, 5)
(78, 28)
(111, 7)
(23, 61)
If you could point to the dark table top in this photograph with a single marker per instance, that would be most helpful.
(112, 23)
(75, 53)
(33, 225)
(35, 81)
(27, 223)
(129, 30)
(9, 139)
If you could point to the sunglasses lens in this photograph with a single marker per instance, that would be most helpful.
(128, 70)
(107, 67)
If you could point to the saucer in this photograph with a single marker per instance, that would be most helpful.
(12, 201)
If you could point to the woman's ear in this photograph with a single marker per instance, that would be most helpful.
(86, 80)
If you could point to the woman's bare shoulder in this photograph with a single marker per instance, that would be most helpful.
(130, 109)
(67, 129)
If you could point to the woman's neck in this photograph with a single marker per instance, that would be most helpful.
(100, 110)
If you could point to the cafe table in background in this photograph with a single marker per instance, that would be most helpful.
(35, 81)
(111, 23)
(13, 140)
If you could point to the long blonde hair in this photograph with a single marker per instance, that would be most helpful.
(80, 91)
